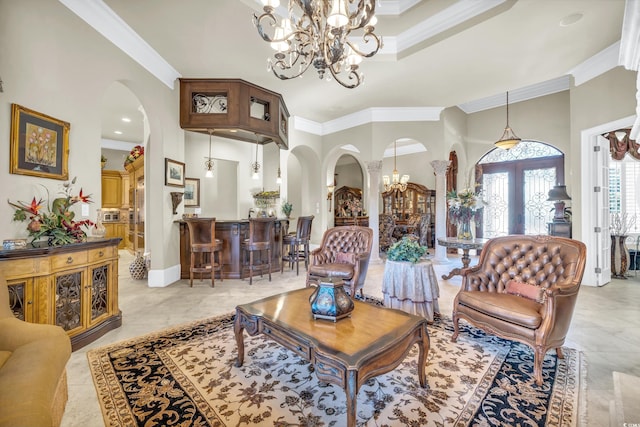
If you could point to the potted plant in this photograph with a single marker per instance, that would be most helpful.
(406, 249)
(286, 208)
(103, 161)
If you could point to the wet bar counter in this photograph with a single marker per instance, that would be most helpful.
(231, 232)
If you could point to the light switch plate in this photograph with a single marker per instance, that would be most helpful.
(197, 211)
(85, 210)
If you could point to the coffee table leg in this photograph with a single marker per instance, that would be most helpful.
(238, 328)
(352, 397)
(422, 357)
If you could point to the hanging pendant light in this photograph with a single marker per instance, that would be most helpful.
(508, 139)
(279, 177)
(255, 166)
(208, 164)
(395, 183)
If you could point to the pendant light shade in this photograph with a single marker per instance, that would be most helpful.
(208, 164)
(508, 139)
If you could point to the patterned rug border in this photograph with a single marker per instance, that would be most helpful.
(580, 418)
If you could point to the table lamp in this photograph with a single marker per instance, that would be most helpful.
(557, 195)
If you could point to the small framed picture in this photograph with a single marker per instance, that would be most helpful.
(39, 144)
(192, 192)
(173, 173)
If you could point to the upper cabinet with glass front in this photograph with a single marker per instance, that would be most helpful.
(416, 199)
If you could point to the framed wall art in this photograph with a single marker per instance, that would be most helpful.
(173, 173)
(39, 144)
(192, 192)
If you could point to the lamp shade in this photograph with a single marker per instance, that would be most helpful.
(558, 192)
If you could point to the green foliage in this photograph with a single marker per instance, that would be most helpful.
(286, 208)
(406, 249)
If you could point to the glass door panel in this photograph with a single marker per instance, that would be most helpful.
(537, 210)
(495, 216)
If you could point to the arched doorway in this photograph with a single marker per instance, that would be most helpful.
(515, 184)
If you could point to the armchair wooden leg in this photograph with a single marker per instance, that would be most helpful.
(538, 357)
(456, 328)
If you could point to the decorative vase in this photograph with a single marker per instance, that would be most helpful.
(464, 230)
(619, 257)
(99, 229)
(138, 267)
(330, 301)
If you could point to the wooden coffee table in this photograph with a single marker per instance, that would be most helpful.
(373, 341)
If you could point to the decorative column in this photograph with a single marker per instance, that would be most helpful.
(374, 169)
(440, 167)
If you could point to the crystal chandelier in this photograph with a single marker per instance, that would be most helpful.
(395, 183)
(319, 32)
(508, 139)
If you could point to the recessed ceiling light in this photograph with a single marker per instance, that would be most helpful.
(117, 132)
(126, 119)
(570, 19)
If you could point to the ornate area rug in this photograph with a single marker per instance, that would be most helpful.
(186, 376)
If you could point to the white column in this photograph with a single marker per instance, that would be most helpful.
(374, 169)
(440, 167)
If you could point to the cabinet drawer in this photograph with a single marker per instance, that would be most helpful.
(100, 254)
(64, 261)
(25, 267)
(286, 339)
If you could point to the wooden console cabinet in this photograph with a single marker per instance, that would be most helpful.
(416, 199)
(72, 286)
(342, 214)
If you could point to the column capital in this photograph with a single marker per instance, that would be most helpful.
(374, 166)
(440, 166)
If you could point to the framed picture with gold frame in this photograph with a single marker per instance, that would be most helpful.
(192, 192)
(39, 144)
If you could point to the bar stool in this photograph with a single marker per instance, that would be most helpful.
(205, 248)
(294, 241)
(260, 239)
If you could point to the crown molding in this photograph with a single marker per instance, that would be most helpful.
(523, 94)
(369, 115)
(113, 144)
(105, 21)
(394, 7)
(599, 63)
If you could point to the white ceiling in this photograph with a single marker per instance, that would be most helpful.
(435, 55)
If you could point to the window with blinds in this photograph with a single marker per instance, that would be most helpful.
(624, 189)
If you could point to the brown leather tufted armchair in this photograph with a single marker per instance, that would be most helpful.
(344, 253)
(555, 264)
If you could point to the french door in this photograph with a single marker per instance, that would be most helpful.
(516, 192)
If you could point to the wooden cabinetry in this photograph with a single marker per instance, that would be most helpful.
(135, 233)
(416, 199)
(342, 213)
(72, 286)
(111, 189)
(114, 230)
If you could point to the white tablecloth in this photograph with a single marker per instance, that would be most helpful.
(412, 288)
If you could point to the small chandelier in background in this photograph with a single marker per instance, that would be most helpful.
(395, 183)
(508, 139)
(208, 164)
(318, 32)
(255, 166)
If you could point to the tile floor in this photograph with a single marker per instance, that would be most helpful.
(606, 327)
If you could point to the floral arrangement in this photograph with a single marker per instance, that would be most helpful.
(406, 249)
(464, 206)
(137, 151)
(57, 225)
(286, 208)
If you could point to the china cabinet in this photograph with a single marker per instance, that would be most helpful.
(416, 199)
(342, 213)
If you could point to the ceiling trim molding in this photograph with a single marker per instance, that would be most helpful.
(516, 95)
(456, 14)
(598, 64)
(369, 115)
(117, 145)
(105, 21)
(395, 7)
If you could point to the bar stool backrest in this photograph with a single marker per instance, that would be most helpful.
(202, 231)
(303, 230)
(260, 232)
